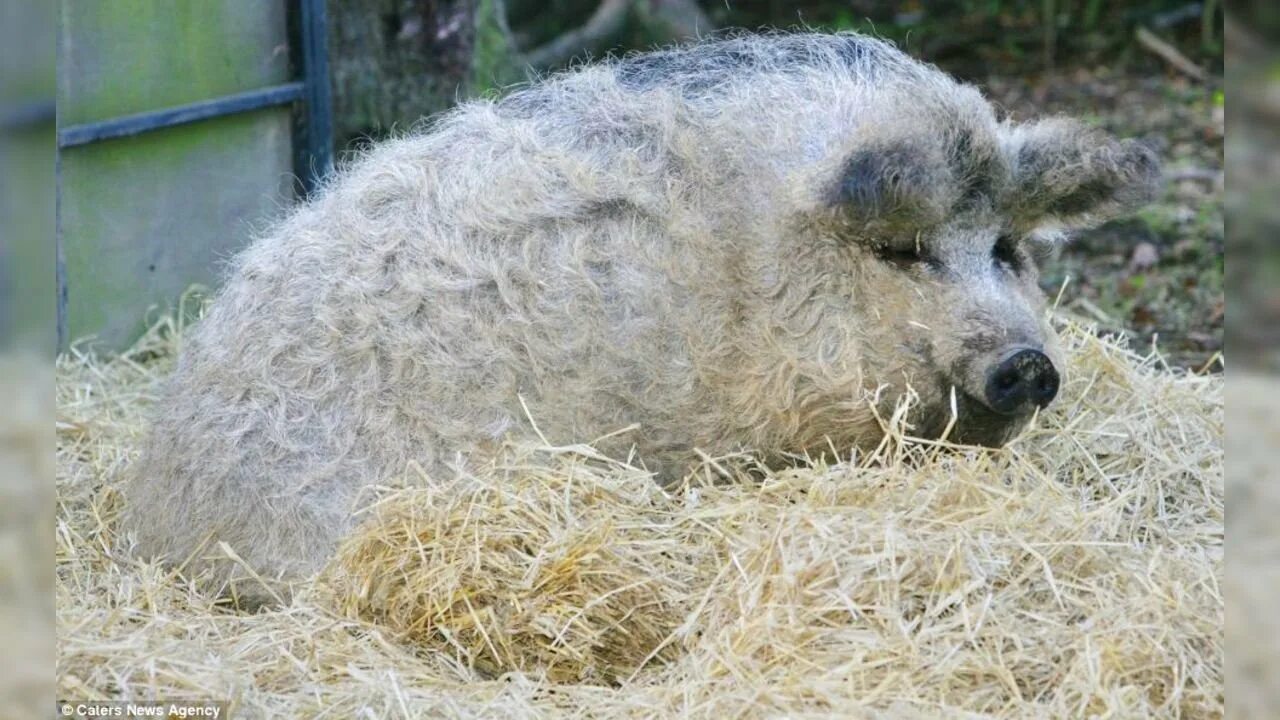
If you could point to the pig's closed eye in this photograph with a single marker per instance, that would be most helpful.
(909, 257)
(903, 256)
(1005, 253)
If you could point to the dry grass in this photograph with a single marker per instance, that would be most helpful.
(1075, 572)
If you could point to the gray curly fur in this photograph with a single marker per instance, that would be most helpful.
(691, 241)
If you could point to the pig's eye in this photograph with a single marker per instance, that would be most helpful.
(903, 256)
(1005, 253)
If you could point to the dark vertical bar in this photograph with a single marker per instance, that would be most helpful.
(314, 157)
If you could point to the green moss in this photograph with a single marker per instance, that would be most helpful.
(130, 56)
(143, 218)
(495, 63)
(1159, 219)
(27, 254)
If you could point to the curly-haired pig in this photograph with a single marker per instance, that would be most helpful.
(752, 243)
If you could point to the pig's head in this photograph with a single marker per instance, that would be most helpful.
(940, 215)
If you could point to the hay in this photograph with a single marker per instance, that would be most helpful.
(1075, 572)
(563, 568)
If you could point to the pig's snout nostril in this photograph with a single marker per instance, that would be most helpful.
(1025, 378)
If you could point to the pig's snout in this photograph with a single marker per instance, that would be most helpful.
(1025, 378)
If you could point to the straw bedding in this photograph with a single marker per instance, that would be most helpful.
(1075, 572)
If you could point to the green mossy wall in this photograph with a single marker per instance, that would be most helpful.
(143, 218)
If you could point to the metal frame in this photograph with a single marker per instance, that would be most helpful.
(313, 128)
(130, 125)
(315, 154)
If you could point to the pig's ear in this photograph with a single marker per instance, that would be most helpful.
(895, 182)
(881, 182)
(870, 185)
(1068, 175)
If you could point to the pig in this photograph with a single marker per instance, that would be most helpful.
(752, 243)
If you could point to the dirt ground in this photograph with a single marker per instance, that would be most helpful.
(1156, 276)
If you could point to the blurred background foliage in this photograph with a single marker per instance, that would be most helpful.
(1253, 333)
(1253, 147)
(399, 60)
(1150, 69)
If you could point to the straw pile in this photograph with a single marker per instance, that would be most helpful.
(569, 569)
(1076, 572)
